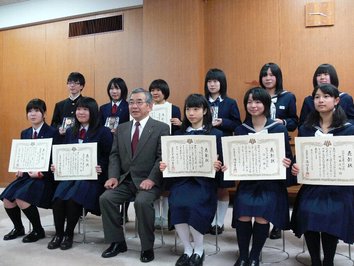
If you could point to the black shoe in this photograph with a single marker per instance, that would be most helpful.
(114, 249)
(254, 263)
(33, 236)
(275, 233)
(14, 233)
(67, 243)
(183, 260)
(196, 260)
(216, 228)
(55, 242)
(241, 262)
(147, 255)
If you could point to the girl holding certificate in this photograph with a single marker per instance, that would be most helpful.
(266, 201)
(72, 196)
(192, 200)
(160, 92)
(324, 212)
(226, 117)
(118, 106)
(33, 189)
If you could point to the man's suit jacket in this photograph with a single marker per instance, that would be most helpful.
(145, 162)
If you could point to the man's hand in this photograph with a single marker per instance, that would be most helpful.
(147, 184)
(111, 183)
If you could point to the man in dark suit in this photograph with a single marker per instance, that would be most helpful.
(134, 173)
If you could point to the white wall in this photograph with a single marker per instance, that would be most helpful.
(36, 11)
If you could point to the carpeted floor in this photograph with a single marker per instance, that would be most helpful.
(14, 252)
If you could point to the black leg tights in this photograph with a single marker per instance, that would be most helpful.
(244, 233)
(15, 216)
(260, 235)
(329, 245)
(59, 215)
(313, 244)
(73, 213)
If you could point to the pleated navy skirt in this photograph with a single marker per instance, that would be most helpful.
(36, 191)
(327, 209)
(267, 199)
(193, 201)
(83, 192)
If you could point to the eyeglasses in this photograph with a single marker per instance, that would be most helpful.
(72, 83)
(138, 103)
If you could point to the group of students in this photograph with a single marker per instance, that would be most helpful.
(194, 201)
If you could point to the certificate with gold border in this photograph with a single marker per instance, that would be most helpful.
(189, 155)
(254, 157)
(30, 155)
(326, 160)
(75, 161)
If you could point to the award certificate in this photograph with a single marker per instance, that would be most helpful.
(189, 155)
(75, 161)
(162, 113)
(30, 155)
(325, 160)
(254, 157)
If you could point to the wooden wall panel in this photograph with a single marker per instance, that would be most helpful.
(174, 46)
(124, 58)
(303, 49)
(22, 80)
(240, 37)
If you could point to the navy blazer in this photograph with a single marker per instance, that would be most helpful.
(230, 114)
(104, 139)
(286, 110)
(122, 112)
(346, 102)
(64, 108)
(46, 132)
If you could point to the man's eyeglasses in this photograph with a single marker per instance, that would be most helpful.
(72, 83)
(138, 103)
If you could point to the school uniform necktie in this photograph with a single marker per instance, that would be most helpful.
(114, 109)
(35, 135)
(135, 138)
(82, 133)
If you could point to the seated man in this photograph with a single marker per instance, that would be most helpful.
(134, 172)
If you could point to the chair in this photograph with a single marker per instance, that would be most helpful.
(83, 221)
(276, 248)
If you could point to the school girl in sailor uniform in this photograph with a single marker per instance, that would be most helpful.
(192, 200)
(282, 110)
(160, 92)
(324, 212)
(226, 117)
(327, 74)
(265, 200)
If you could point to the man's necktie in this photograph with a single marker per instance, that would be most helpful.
(35, 135)
(135, 138)
(82, 133)
(114, 109)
